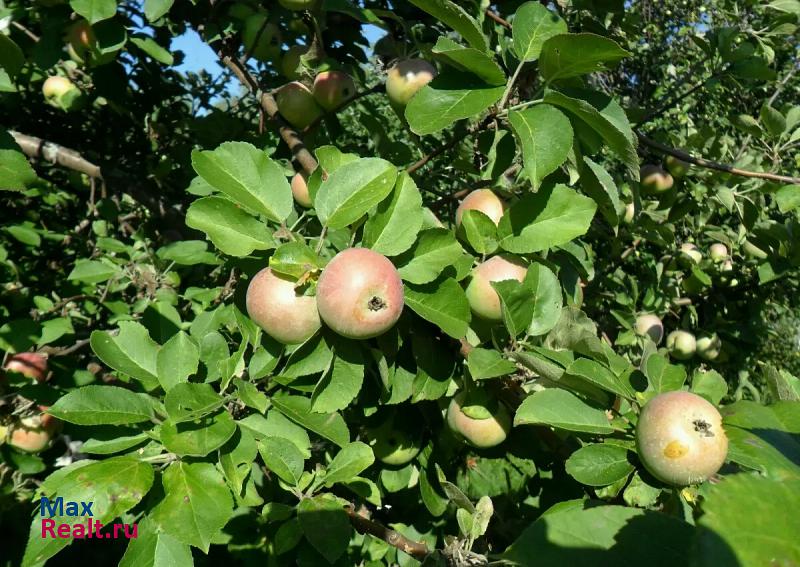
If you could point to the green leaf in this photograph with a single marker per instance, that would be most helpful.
(11, 56)
(663, 376)
(196, 506)
(154, 9)
(787, 6)
(603, 115)
(177, 360)
(277, 425)
(561, 409)
(348, 463)
(313, 356)
(450, 97)
(325, 525)
(342, 384)
(469, 59)
(153, 49)
(581, 532)
(479, 231)
(283, 458)
(533, 25)
(575, 54)
(54, 329)
(151, 548)
(295, 259)
(773, 121)
(547, 299)
(331, 426)
(599, 464)
(516, 305)
(114, 486)
(599, 185)
(231, 229)
(16, 172)
(595, 373)
(130, 351)
(352, 190)
(710, 384)
(545, 135)
(248, 176)
(395, 225)
(111, 441)
(251, 396)
(484, 363)
(94, 10)
(190, 401)
(457, 18)
(788, 198)
(740, 524)
(93, 271)
(185, 253)
(435, 249)
(542, 220)
(199, 437)
(443, 303)
(109, 405)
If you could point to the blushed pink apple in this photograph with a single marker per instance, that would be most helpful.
(274, 304)
(333, 88)
(360, 294)
(483, 299)
(483, 200)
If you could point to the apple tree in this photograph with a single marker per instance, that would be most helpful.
(415, 282)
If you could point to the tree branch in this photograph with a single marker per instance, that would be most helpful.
(36, 148)
(416, 549)
(320, 118)
(496, 17)
(708, 164)
(270, 107)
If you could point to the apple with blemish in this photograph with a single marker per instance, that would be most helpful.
(405, 79)
(680, 439)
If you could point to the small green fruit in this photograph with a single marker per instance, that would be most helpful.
(718, 252)
(297, 105)
(649, 325)
(709, 346)
(681, 344)
(266, 46)
(481, 433)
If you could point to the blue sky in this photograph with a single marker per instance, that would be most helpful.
(199, 55)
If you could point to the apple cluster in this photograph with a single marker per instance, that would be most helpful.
(32, 433)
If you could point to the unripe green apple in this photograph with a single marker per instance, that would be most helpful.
(677, 167)
(681, 344)
(300, 190)
(33, 434)
(654, 180)
(483, 299)
(718, 252)
(395, 444)
(275, 306)
(297, 5)
(290, 63)
(30, 364)
(752, 251)
(297, 105)
(268, 47)
(333, 88)
(56, 87)
(630, 211)
(481, 433)
(680, 439)
(405, 78)
(709, 346)
(649, 325)
(483, 200)
(690, 254)
(360, 294)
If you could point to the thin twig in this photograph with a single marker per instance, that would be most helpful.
(708, 164)
(496, 17)
(416, 549)
(25, 30)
